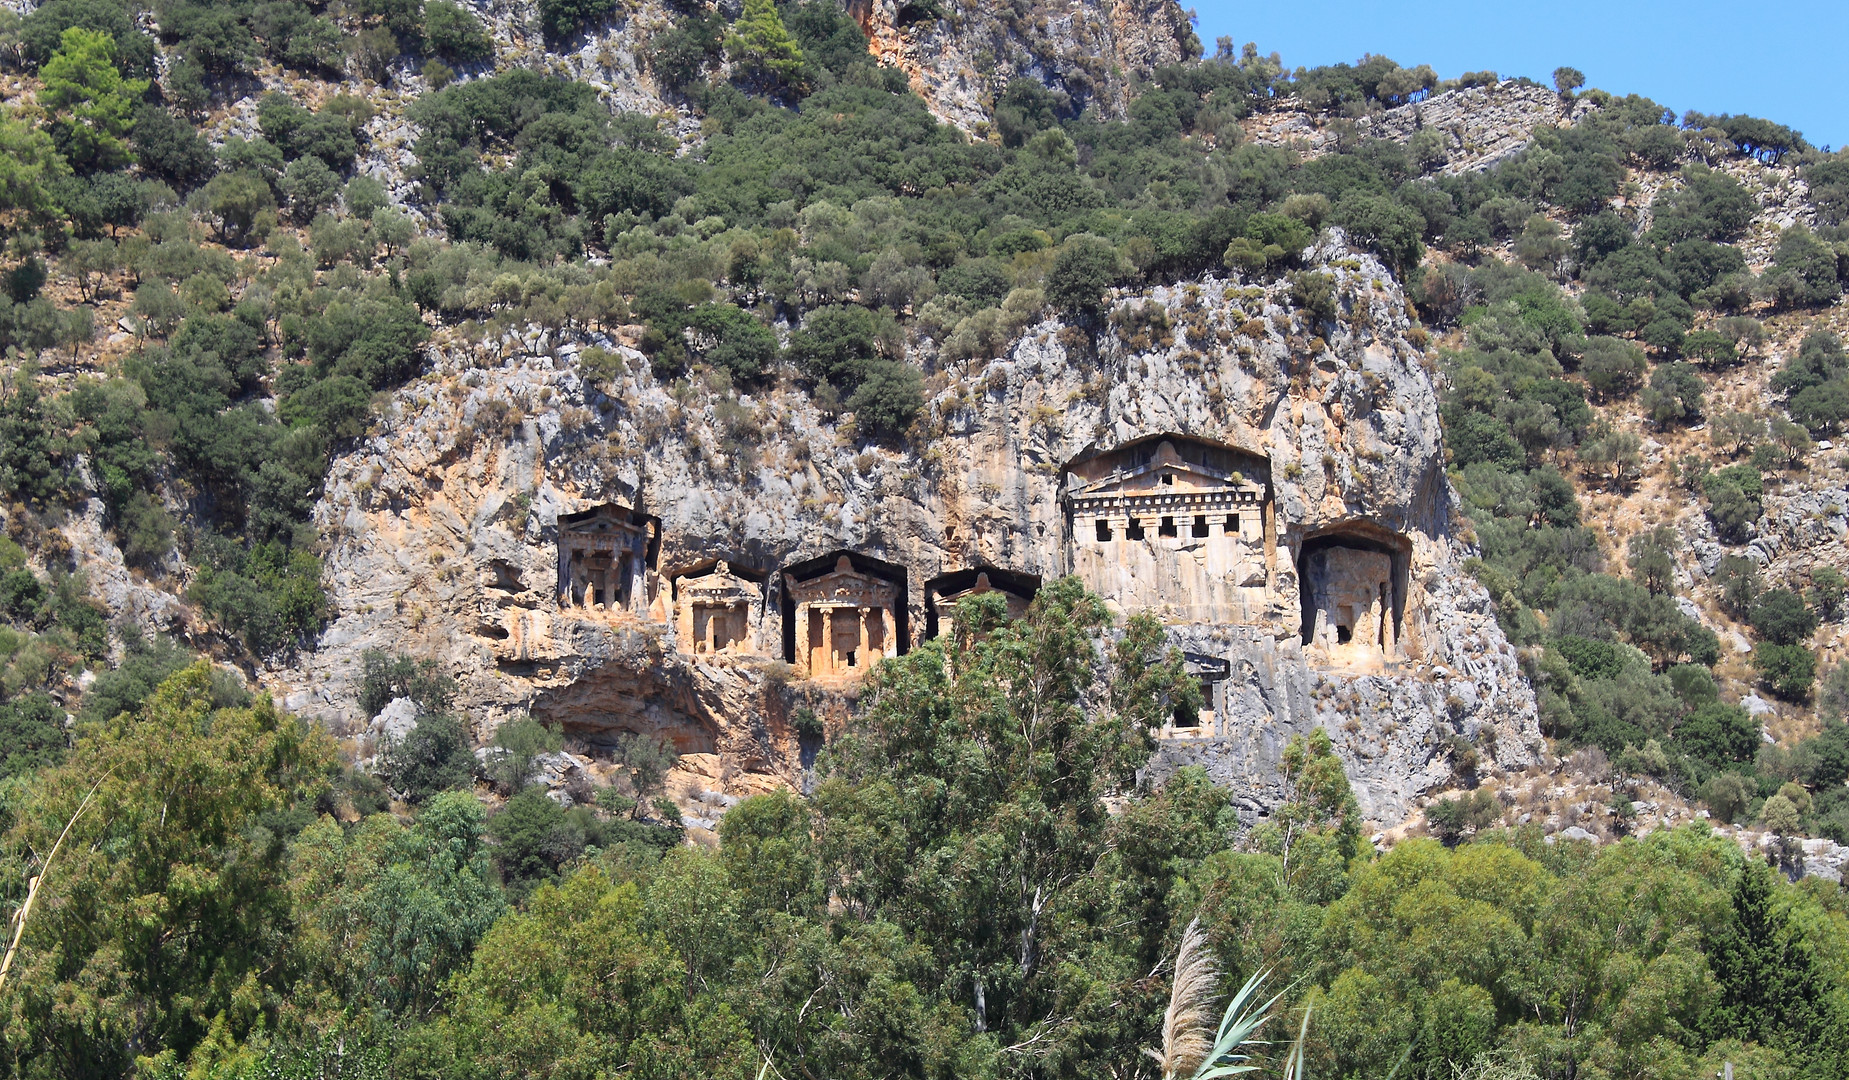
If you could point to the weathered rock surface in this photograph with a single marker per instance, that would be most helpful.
(442, 528)
(1481, 125)
(961, 63)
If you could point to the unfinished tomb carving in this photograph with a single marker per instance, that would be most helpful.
(715, 609)
(1210, 674)
(605, 555)
(1178, 527)
(842, 614)
(1354, 587)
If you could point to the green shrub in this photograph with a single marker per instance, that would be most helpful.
(454, 33)
(385, 677)
(1453, 819)
(431, 758)
(267, 595)
(341, 405)
(32, 734)
(1314, 295)
(839, 344)
(1804, 271)
(311, 187)
(1740, 584)
(362, 196)
(1727, 795)
(520, 742)
(1733, 499)
(1613, 368)
(1781, 617)
(1718, 735)
(1085, 267)
(1710, 348)
(561, 20)
(1674, 395)
(889, 398)
(740, 345)
(1786, 670)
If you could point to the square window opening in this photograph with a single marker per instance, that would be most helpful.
(1231, 528)
(1168, 478)
(1104, 531)
(1200, 526)
(1167, 528)
(1134, 531)
(1344, 634)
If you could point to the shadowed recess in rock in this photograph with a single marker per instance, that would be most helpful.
(1353, 582)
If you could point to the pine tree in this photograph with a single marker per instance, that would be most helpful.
(762, 48)
(1771, 990)
(93, 104)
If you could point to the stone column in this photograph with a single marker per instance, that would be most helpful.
(861, 615)
(1270, 537)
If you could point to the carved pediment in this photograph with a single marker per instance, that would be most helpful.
(1135, 473)
(609, 522)
(720, 586)
(846, 586)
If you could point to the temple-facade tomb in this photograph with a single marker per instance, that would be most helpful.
(842, 614)
(605, 555)
(1178, 527)
(716, 609)
(943, 592)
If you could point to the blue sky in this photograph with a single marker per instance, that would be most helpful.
(1786, 61)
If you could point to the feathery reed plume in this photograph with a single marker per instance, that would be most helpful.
(1187, 1026)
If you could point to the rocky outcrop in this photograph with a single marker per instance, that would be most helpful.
(961, 56)
(442, 528)
(1480, 126)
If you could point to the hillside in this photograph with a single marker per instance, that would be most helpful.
(863, 503)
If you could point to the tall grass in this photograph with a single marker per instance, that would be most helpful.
(1190, 1048)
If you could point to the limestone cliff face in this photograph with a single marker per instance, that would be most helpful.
(443, 530)
(1480, 126)
(960, 56)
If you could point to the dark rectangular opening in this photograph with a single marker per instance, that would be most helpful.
(596, 597)
(1231, 528)
(1168, 478)
(1133, 531)
(1104, 530)
(1186, 717)
(851, 658)
(1167, 528)
(1344, 634)
(1200, 525)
